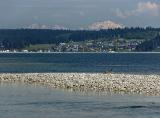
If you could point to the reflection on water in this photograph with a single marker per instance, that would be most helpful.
(29, 101)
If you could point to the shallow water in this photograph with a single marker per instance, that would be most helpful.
(33, 101)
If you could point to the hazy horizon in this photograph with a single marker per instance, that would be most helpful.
(76, 14)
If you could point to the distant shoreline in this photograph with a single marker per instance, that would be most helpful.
(77, 52)
(98, 82)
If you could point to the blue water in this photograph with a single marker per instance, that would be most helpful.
(35, 101)
(28, 101)
(80, 62)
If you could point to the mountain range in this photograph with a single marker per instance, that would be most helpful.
(95, 26)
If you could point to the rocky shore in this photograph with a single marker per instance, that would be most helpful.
(117, 83)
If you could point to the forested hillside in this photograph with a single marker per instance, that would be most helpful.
(149, 45)
(20, 38)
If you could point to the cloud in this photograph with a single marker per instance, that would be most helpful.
(120, 14)
(149, 8)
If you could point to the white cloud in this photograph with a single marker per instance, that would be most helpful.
(149, 8)
(120, 14)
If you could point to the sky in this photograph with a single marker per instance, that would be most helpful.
(79, 13)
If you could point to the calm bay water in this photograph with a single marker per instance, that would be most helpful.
(80, 62)
(28, 101)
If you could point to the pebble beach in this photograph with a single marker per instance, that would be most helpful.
(99, 82)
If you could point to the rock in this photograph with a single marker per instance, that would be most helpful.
(122, 83)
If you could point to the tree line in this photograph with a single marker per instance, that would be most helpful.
(149, 45)
(20, 38)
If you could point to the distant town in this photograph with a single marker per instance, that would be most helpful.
(115, 45)
(109, 40)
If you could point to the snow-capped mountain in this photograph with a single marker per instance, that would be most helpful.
(105, 25)
(39, 26)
